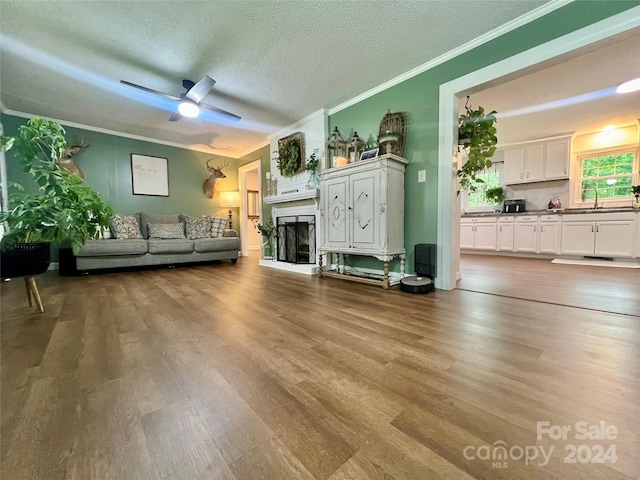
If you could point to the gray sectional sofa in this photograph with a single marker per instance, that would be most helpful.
(148, 250)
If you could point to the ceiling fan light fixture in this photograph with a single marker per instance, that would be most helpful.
(630, 86)
(188, 109)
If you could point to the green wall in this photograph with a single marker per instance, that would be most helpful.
(418, 97)
(261, 154)
(107, 169)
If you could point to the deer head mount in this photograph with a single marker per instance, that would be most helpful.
(66, 162)
(209, 185)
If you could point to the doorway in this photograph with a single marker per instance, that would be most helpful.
(448, 251)
(250, 207)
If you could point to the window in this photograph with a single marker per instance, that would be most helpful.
(610, 173)
(477, 200)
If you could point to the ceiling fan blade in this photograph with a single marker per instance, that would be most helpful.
(200, 89)
(145, 89)
(231, 116)
(175, 116)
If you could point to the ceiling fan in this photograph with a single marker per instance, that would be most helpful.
(189, 102)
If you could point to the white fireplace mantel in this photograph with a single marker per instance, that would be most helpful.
(312, 194)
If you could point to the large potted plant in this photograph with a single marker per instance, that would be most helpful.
(62, 210)
(477, 136)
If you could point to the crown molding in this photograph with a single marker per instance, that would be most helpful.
(91, 128)
(249, 151)
(322, 112)
(507, 27)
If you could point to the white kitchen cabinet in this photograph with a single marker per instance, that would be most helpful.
(614, 239)
(506, 230)
(549, 234)
(362, 212)
(537, 161)
(556, 159)
(526, 234)
(578, 238)
(601, 235)
(533, 162)
(478, 233)
(467, 235)
(514, 165)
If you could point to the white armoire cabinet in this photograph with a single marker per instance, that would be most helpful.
(362, 213)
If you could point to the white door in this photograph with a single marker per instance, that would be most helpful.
(578, 238)
(614, 239)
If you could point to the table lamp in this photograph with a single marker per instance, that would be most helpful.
(230, 200)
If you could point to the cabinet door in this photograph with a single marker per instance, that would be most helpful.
(334, 217)
(614, 239)
(533, 162)
(527, 237)
(486, 236)
(514, 165)
(578, 238)
(467, 235)
(364, 212)
(549, 238)
(556, 160)
(505, 237)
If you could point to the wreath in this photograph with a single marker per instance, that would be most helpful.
(289, 161)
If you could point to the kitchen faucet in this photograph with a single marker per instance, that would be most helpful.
(595, 206)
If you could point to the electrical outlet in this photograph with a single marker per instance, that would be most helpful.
(422, 176)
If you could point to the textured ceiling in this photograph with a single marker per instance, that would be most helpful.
(572, 93)
(275, 62)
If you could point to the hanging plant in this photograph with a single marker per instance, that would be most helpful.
(477, 136)
(494, 195)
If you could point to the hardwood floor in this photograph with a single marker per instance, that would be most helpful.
(607, 289)
(241, 372)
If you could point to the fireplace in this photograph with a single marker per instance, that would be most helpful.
(296, 239)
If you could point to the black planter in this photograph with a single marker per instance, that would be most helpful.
(25, 259)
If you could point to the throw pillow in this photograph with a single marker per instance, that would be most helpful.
(125, 226)
(197, 227)
(217, 227)
(147, 218)
(166, 230)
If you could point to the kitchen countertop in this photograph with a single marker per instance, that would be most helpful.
(567, 211)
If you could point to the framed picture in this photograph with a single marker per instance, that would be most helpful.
(253, 204)
(369, 154)
(149, 175)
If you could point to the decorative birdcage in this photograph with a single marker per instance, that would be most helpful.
(355, 146)
(392, 133)
(336, 147)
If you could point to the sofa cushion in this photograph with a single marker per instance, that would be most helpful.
(217, 226)
(171, 245)
(197, 227)
(147, 218)
(204, 245)
(166, 230)
(95, 248)
(125, 226)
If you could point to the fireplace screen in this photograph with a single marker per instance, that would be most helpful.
(296, 237)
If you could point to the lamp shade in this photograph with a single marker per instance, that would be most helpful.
(230, 199)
